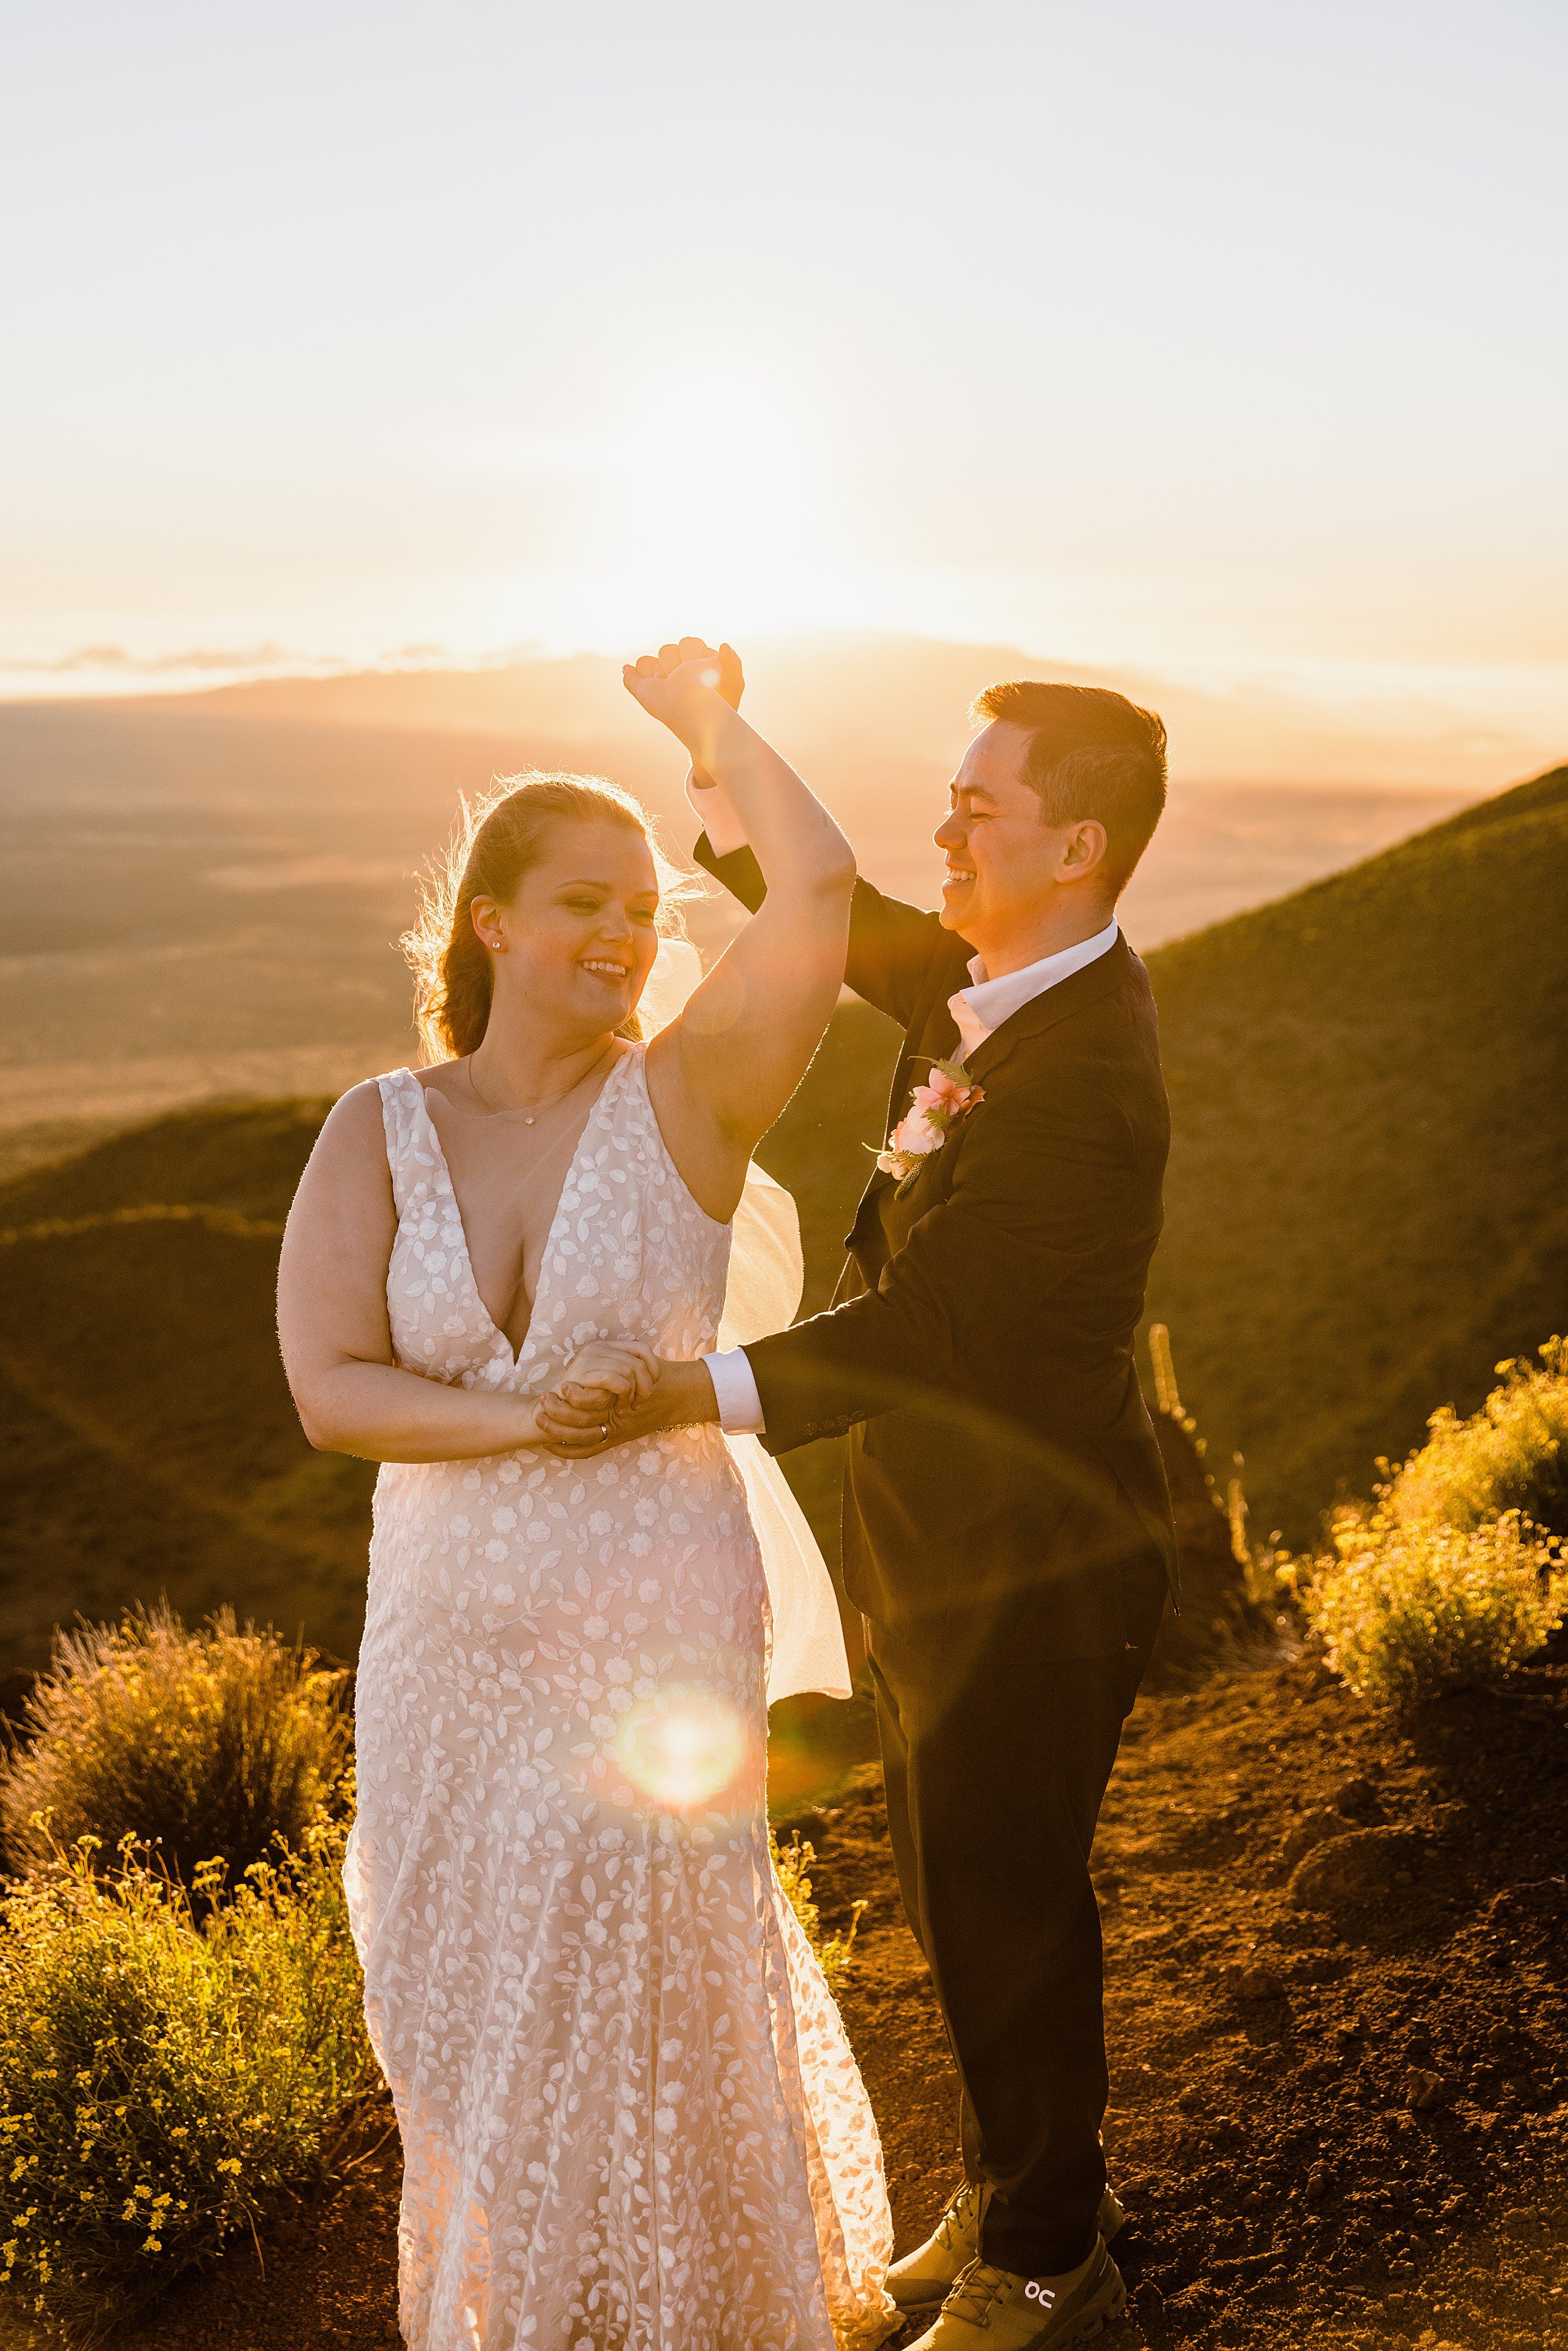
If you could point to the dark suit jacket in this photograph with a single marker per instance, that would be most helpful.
(979, 1349)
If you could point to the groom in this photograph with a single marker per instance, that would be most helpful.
(1007, 1529)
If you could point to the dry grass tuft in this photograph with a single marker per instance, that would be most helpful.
(1408, 1613)
(1512, 1454)
(1457, 1574)
(204, 1745)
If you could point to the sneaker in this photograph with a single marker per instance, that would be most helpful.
(995, 2310)
(921, 2281)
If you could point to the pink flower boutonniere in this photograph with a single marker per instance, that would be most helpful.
(935, 1111)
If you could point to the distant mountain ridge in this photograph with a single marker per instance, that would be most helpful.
(1365, 1211)
(857, 703)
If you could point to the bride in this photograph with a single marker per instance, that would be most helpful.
(630, 2120)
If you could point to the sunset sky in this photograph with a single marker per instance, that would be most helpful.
(1227, 337)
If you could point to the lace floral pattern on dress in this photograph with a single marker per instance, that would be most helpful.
(630, 2118)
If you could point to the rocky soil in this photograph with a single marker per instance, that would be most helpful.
(1336, 1968)
(1337, 1957)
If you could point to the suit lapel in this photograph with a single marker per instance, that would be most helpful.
(937, 1027)
(937, 1035)
(1100, 978)
(938, 1042)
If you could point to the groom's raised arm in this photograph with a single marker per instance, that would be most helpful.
(892, 946)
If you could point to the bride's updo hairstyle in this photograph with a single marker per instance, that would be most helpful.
(498, 839)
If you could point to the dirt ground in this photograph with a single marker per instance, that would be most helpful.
(1336, 1967)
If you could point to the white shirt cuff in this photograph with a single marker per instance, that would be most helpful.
(734, 1385)
(717, 814)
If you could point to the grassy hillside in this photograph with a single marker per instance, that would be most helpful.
(1366, 1206)
(243, 1156)
(148, 1443)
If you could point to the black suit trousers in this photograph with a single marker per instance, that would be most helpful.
(996, 1765)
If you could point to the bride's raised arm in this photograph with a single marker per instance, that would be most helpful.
(721, 1073)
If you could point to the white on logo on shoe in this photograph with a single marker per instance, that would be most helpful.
(1034, 2292)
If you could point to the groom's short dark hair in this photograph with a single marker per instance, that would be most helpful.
(1092, 753)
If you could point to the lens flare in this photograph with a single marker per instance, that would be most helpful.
(682, 1749)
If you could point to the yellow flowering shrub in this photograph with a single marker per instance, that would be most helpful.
(794, 1862)
(1406, 1611)
(199, 1743)
(162, 2080)
(1512, 1454)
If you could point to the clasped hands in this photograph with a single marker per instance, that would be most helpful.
(615, 1390)
(677, 684)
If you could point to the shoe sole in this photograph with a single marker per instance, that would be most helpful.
(1091, 2320)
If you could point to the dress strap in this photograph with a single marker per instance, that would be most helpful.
(409, 1155)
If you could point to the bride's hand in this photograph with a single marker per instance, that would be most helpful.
(606, 1377)
(672, 685)
(681, 1398)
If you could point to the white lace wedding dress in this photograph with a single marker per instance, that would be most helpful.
(630, 2120)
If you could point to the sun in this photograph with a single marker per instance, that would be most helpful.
(705, 508)
(710, 512)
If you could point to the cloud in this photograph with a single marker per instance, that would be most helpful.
(308, 874)
(202, 658)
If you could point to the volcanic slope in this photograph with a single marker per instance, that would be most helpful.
(148, 1443)
(1365, 1208)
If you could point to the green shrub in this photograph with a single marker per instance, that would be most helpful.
(205, 1745)
(1408, 1612)
(1512, 1454)
(793, 1863)
(161, 2082)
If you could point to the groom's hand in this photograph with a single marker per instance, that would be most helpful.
(578, 1421)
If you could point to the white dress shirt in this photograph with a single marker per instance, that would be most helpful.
(979, 1009)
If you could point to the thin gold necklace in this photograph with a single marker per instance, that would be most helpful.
(529, 1116)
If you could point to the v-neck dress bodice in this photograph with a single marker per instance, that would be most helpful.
(657, 1275)
(631, 2119)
